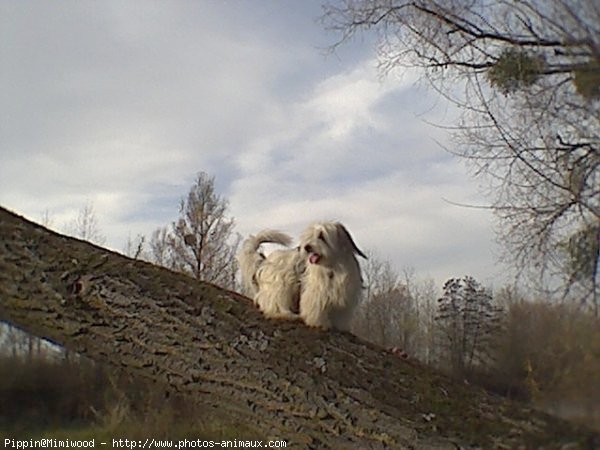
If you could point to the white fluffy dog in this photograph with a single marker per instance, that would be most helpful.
(321, 278)
(273, 282)
(331, 283)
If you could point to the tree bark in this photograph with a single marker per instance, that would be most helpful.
(312, 388)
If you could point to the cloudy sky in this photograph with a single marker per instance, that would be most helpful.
(120, 104)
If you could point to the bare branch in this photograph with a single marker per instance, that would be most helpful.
(528, 71)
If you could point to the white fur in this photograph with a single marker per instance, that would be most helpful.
(331, 284)
(321, 277)
(274, 281)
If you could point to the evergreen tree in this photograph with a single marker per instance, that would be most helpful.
(467, 321)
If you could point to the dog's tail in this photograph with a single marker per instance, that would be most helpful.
(266, 236)
(250, 258)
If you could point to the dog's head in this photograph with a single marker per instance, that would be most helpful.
(326, 242)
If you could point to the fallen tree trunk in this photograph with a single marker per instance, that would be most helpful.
(314, 389)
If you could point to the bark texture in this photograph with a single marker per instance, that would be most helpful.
(315, 389)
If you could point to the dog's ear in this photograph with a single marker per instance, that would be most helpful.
(342, 229)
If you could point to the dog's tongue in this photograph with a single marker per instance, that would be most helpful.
(314, 258)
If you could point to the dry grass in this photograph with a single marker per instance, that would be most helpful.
(76, 399)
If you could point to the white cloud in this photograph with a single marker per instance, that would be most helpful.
(344, 159)
(121, 106)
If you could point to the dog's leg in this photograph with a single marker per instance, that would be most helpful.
(341, 319)
(270, 304)
(317, 321)
(312, 307)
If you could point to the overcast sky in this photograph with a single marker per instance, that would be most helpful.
(121, 103)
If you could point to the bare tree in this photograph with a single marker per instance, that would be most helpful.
(388, 314)
(134, 247)
(526, 75)
(424, 295)
(47, 220)
(202, 242)
(85, 226)
(159, 247)
(373, 317)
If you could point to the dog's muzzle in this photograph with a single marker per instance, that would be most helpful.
(313, 257)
